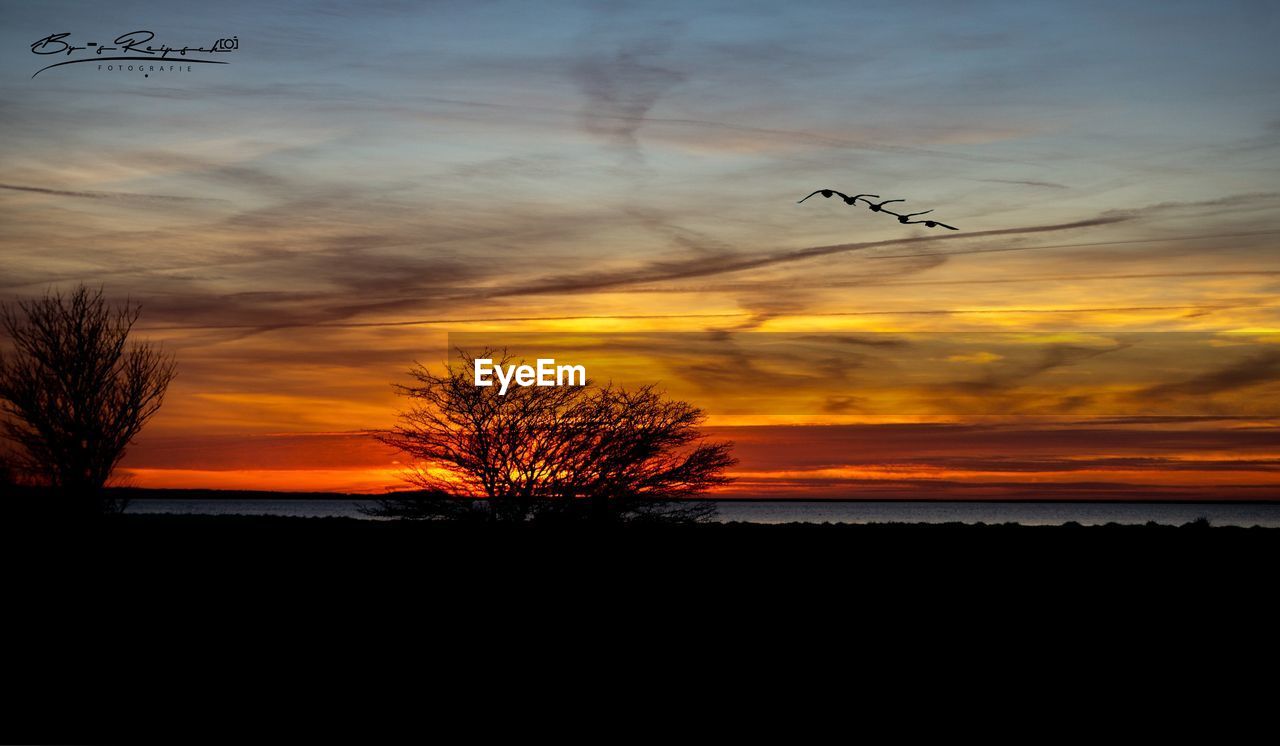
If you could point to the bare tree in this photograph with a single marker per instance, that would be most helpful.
(74, 393)
(543, 452)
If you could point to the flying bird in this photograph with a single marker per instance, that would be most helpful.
(930, 224)
(903, 218)
(847, 199)
(880, 207)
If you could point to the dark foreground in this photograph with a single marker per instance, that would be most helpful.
(164, 627)
(223, 563)
(260, 551)
(387, 572)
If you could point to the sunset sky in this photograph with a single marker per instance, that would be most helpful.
(365, 179)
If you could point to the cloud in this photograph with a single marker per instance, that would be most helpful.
(105, 195)
(874, 278)
(746, 137)
(1022, 182)
(1145, 460)
(764, 302)
(1199, 309)
(621, 86)
(664, 270)
(975, 358)
(1259, 368)
(441, 321)
(1082, 277)
(857, 340)
(1045, 247)
(1092, 463)
(1248, 202)
(400, 282)
(1005, 378)
(844, 404)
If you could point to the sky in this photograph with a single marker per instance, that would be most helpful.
(363, 180)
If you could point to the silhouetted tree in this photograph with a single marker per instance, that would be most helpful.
(551, 452)
(75, 393)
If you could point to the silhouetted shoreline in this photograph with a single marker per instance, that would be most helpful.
(184, 531)
(296, 524)
(263, 556)
(149, 493)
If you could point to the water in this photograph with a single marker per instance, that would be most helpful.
(774, 511)
(1028, 514)
(231, 506)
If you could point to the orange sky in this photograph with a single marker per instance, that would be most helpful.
(305, 222)
(1128, 458)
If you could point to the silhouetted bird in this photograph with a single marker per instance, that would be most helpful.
(903, 218)
(931, 224)
(847, 199)
(880, 207)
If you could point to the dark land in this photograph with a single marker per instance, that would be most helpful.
(179, 546)
(242, 557)
(122, 624)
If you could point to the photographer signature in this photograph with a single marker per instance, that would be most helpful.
(130, 46)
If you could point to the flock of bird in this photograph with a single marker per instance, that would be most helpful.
(903, 218)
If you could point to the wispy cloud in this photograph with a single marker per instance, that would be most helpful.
(620, 87)
(106, 195)
(1026, 182)
(659, 271)
(1257, 369)
(1002, 377)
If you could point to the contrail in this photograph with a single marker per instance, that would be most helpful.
(704, 267)
(104, 195)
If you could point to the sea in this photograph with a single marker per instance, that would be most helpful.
(797, 511)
